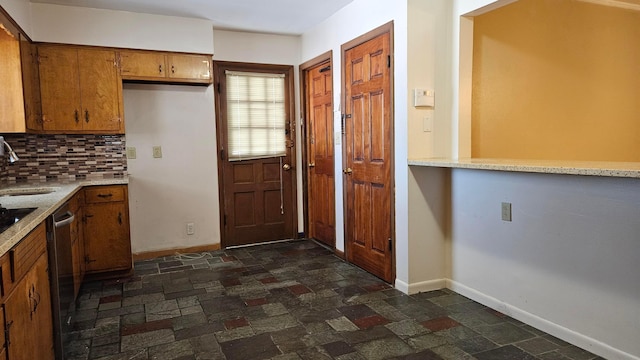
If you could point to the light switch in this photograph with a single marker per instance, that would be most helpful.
(131, 153)
(338, 138)
(157, 152)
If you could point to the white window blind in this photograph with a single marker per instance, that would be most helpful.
(256, 116)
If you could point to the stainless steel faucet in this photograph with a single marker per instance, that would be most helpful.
(13, 157)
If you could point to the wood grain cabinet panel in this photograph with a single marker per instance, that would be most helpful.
(143, 64)
(27, 311)
(11, 98)
(196, 67)
(30, 84)
(106, 229)
(81, 91)
(164, 67)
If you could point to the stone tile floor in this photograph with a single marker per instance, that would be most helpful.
(290, 300)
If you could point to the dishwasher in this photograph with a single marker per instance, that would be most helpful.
(61, 274)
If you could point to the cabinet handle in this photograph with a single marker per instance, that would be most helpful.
(173, 69)
(88, 260)
(86, 115)
(105, 195)
(120, 218)
(160, 69)
(76, 116)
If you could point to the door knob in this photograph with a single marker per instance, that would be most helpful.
(312, 164)
(348, 171)
(286, 167)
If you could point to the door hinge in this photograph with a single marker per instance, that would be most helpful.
(389, 61)
(390, 245)
(221, 154)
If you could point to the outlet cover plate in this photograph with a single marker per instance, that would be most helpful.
(506, 211)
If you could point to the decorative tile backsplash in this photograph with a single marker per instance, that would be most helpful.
(64, 157)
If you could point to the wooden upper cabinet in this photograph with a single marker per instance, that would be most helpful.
(142, 64)
(80, 90)
(30, 84)
(196, 67)
(165, 67)
(11, 98)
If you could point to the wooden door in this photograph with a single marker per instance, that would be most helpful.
(28, 311)
(368, 156)
(320, 153)
(257, 195)
(99, 90)
(59, 88)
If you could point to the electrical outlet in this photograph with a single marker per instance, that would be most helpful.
(157, 152)
(191, 229)
(506, 211)
(131, 153)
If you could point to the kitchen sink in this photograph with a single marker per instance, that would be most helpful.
(21, 191)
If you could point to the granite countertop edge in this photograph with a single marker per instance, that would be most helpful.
(588, 168)
(45, 204)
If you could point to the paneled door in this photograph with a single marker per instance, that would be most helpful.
(254, 112)
(320, 153)
(368, 165)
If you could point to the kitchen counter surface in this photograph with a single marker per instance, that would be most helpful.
(45, 204)
(590, 168)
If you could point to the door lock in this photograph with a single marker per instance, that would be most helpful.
(348, 171)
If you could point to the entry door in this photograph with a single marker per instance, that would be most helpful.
(257, 193)
(320, 153)
(368, 156)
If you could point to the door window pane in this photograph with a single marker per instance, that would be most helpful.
(256, 120)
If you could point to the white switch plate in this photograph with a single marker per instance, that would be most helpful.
(338, 138)
(427, 121)
(191, 229)
(157, 152)
(131, 152)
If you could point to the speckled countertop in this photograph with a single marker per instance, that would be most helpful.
(45, 204)
(590, 168)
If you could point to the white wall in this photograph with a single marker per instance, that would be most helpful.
(182, 186)
(567, 263)
(354, 20)
(268, 49)
(20, 11)
(87, 26)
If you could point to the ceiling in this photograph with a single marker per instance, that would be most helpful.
(269, 16)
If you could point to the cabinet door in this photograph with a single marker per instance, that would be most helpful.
(99, 90)
(28, 316)
(30, 84)
(107, 243)
(142, 64)
(59, 88)
(11, 99)
(197, 67)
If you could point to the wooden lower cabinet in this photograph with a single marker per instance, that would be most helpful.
(106, 229)
(28, 318)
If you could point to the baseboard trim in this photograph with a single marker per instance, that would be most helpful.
(568, 335)
(339, 254)
(161, 253)
(419, 287)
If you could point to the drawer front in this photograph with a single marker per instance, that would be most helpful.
(102, 194)
(26, 252)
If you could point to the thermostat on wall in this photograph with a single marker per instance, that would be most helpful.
(423, 97)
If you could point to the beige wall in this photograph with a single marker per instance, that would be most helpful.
(556, 79)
